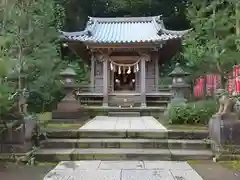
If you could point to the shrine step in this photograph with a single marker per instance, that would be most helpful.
(126, 143)
(69, 121)
(124, 114)
(56, 155)
(173, 134)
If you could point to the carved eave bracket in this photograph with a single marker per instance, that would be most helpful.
(145, 56)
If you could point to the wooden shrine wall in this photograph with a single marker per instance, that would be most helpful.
(98, 81)
(151, 76)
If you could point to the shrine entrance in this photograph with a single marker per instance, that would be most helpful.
(124, 74)
(124, 81)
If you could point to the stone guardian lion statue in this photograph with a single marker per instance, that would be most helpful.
(226, 102)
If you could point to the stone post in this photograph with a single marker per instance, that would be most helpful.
(224, 132)
(143, 82)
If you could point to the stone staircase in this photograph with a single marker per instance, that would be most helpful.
(124, 114)
(122, 145)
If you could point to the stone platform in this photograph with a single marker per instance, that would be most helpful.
(143, 123)
(123, 170)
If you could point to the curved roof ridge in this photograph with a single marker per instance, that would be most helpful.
(174, 32)
(123, 19)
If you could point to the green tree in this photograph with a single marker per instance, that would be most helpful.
(30, 34)
(212, 46)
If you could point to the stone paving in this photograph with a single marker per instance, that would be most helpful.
(123, 170)
(124, 123)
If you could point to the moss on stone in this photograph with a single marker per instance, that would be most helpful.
(46, 164)
(63, 126)
(186, 127)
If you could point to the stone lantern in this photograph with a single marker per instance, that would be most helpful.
(179, 85)
(68, 78)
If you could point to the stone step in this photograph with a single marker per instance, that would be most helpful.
(56, 155)
(126, 143)
(66, 115)
(69, 121)
(154, 134)
(124, 114)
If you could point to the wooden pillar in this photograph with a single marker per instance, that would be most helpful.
(92, 73)
(143, 82)
(105, 82)
(156, 71)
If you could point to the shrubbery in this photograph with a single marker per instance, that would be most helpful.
(192, 113)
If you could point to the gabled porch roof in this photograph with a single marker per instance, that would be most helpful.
(124, 30)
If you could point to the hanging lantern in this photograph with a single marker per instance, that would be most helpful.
(129, 70)
(137, 68)
(119, 70)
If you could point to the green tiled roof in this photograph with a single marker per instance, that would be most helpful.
(124, 30)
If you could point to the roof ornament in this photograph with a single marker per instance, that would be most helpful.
(159, 19)
(89, 33)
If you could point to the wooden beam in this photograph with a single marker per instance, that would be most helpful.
(123, 46)
(124, 58)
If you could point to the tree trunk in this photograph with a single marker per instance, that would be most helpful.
(237, 19)
(223, 83)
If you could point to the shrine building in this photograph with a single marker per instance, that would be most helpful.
(125, 55)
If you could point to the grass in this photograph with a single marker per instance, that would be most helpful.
(234, 165)
(190, 127)
(46, 164)
(194, 162)
(60, 126)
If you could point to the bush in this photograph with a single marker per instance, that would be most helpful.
(192, 113)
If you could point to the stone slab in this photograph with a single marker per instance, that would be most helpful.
(123, 123)
(60, 175)
(98, 175)
(78, 165)
(147, 175)
(122, 170)
(179, 174)
(167, 165)
(121, 165)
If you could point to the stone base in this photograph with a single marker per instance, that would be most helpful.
(16, 148)
(68, 105)
(224, 130)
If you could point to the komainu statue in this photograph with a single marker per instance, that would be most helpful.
(226, 102)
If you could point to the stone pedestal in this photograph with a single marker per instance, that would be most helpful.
(224, 130)
(68, 104)
(17, 138)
